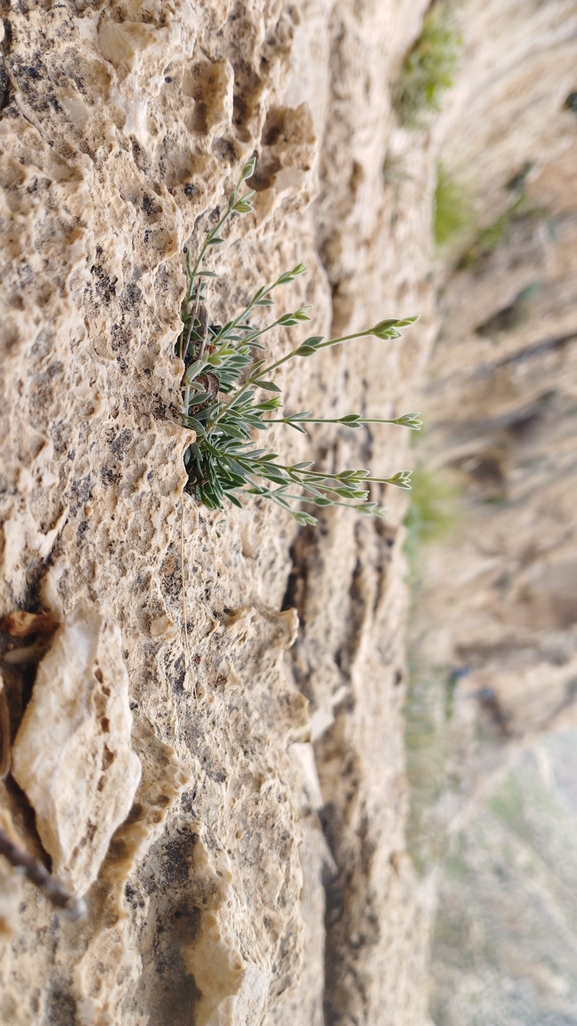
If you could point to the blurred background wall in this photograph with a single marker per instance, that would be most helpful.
(491, 716)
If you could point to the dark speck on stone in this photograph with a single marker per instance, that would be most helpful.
(189, 189)
(167, 78)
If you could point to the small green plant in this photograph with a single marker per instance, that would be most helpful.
(225, 375)
(453, 213)
(429, 68)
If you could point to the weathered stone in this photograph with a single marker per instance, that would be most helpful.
(228, 894)
(72, 754)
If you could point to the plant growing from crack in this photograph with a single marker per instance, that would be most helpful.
(429, 67)
(228, 395)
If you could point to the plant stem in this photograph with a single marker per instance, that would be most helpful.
(50, 886)
(322, 420)
(274, 366)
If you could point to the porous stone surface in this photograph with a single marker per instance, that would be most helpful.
(260, 874)
(81, 782)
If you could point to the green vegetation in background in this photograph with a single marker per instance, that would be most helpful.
(453, 212)
(433, 513)
(429, 68)
(432, 516)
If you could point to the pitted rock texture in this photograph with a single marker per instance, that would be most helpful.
(82, 783)
(254, 879)
(260, 875)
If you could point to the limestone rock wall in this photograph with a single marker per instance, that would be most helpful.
(260, 875)
(498, 603)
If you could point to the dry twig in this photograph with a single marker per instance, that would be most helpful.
(34, 871)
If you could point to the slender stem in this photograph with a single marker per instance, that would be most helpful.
(248, 310)
(191, 320)
(317, 476)
(212, 234)
(321, 345)
(343, 338)
(50, 886)
(343, 482)
(253, 335)
(303, 498)
(192, 274)
(187, 656)
(274, 366)
(321, 420)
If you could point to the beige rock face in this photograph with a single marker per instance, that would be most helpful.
(82, 780)
(258, 876)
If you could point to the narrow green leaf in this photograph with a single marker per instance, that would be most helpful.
(391, 322)
(289, 276)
